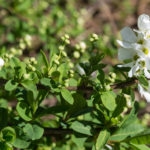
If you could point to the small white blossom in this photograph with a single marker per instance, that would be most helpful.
(135, 47)
(1, 62)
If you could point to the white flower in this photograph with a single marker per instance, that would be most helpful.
(1, 62)
(135, 47)
(144, 93)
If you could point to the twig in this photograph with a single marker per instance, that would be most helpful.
(57, 131)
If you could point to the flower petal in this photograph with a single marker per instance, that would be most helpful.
(128, 35)
(144, 22)
(1, 62)
(124, 53)
(144, 93)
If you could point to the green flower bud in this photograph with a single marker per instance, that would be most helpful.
(94, 37)
(107, 87)
(71, 65)
(56, 62)
(26, 76)
(64, 53)
(61, 47)
(76, 54)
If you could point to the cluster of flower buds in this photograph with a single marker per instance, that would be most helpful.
(81, 47)
(71, 73)
(112, 77)
(94, 37)
(25, 42)
(135, 49)
(62, 50)
(66, 84)
(146, 119)
(31, 62)
(65, 39)
(56, 59)
(15, 52)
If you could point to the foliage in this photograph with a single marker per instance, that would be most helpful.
(64, 97)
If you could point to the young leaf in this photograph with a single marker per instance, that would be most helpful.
(140, 147)
(102, 139)
(108, 100)
(9, 134)
(34, 131)
(45, 59)
(81, 128)
(67, 96)
(24, 111)
(11, 85)
(142, 138)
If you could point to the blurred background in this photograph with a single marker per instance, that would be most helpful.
(33, 25)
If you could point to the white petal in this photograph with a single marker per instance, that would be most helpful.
(144, 22)
(124, 53)
(126, 65)
(132, 71)
(80, 69)
(1, 62)
(124, 44)
(128, 35)
(144, 93)
(147, 74)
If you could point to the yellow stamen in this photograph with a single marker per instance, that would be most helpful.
(145, 51)
(135, 57)
(141, 41)
(142, 63)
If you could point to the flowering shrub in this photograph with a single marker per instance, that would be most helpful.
(67, 97)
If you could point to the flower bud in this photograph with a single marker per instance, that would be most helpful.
(76, 54)
(56, 62)
(26, 76)
(61, 47)
(64, 53)
(71, 65)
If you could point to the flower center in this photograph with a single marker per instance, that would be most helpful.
(142, 63)
(135, 57)
(145, 51)
(140, 41)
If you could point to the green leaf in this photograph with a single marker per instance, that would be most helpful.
(79, 106)
(19, 143)
(127, 131)
(102, 139)
(81, 128)
(5, 146)
(29, 85)
(67, 96)
(9, 134)
(24, 111)
(21, 140)
(45, 59)
(108, 100)
(11, 85)
(45, 82)
(129, 126)
(142, 138)
(34, 132)
(140, 147)
(143, 81)
(121, 103)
